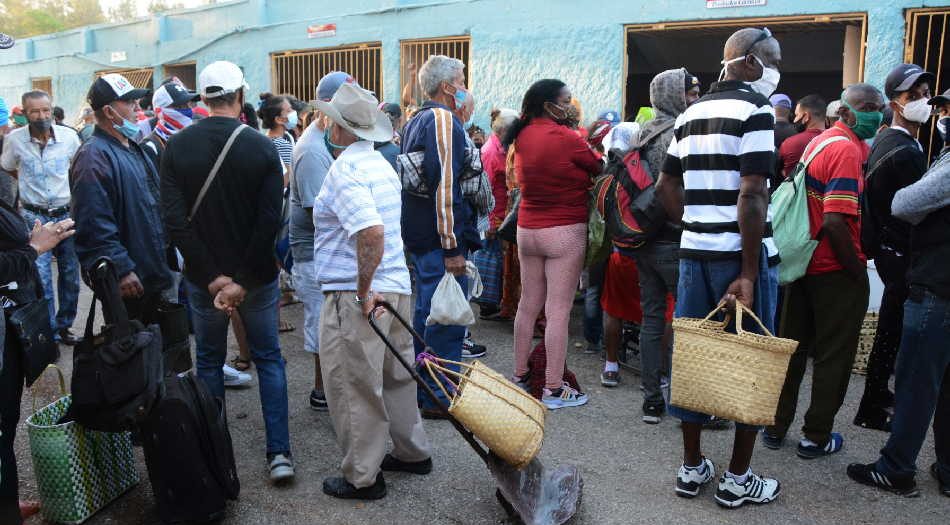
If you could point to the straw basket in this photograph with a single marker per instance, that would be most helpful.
(737, 376)
(865, 343)
(504, 417)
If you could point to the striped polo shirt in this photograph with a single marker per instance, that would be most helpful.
(727, 134)
(361, 190)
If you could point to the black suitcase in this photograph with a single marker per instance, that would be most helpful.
(189, 453)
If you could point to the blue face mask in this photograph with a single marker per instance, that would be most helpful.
(329, 143)
(460, 96)
(128, 129)
(187, 112)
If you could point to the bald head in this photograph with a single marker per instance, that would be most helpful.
(862, 94)
(748, 51)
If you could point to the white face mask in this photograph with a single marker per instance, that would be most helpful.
(917, 111)
(766, 84)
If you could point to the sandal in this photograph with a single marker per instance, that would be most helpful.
(285, 326)
(241, 365)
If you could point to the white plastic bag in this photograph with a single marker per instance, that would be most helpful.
(449, 305)
(475, 287)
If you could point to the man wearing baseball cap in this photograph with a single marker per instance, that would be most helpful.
(225, 228)
(941, 104)
(896, 161)
(311, 162)
(173, 105)
(115, 199)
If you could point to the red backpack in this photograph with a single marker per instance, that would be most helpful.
(537, 364)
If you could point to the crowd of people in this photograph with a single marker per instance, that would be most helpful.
(209, 200)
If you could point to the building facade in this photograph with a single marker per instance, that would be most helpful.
(606, 50)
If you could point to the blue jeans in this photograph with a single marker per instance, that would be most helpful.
(68, 279)
(593, 313)
(658, 266)
(702, 285)
(259, 313)
(445, 341)
(922, 387)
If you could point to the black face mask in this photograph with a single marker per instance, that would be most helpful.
(42, 125)
(799, 126)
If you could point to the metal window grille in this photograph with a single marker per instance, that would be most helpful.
(926, 43)
(43, 84)
(413, 53)
(140, 77)
(297, 72)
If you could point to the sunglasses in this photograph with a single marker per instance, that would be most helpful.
(764, 35)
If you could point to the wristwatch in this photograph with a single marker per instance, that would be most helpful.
(361, 300)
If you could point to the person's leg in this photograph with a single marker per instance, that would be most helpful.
(308, 290)
(565, 247)
(593, 313)
(653, 263)
(892, 269)
(243, 359)
(612, 333)
(942, 428)
(798, 320)
(44, 266)
(511, 281)
(67, 290)
(533, 292)
(839, 304)
(11, 390)
(410, 443)
(921, 367)
(259, 314)
(211, 337)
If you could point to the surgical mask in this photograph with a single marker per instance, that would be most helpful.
(460, 96)
(329, 143)
(42, 125)
(128, 129)
(866, 123)
(766, 84)
(942, 128)
(917, 111)
(291, 120)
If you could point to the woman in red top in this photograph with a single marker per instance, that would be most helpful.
(553, 166)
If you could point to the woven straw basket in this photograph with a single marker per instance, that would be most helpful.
(504, 417)
(734, 376)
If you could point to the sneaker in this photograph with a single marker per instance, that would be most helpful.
(318, 401)
(339, 487)
(869, 475)
(610, 379)
(944, 484)
(521, 382)
(235, 379)
(470, 350)
(810, 451)
(756, 489)
(566, 396)
(281, 467)
(391, 464)
(771, 440)
(873, 417)
(652, 414)
(690, 479)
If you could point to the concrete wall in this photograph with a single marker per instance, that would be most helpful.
(513, 42)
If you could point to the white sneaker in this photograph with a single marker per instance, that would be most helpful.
(281, 467)
(689, 480)
(756, 489)
(568, 397)
(233, 378)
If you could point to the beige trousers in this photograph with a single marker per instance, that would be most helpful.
(370, 395)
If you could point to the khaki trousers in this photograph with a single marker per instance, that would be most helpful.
(371, 397)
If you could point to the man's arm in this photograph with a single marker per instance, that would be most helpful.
(260, 245)
(840, 204)
(669, 185)
(370, 243)
(9, 160)
(929, 194)
(445, 149)
(835, 227)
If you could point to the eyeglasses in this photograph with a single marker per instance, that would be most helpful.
(764, 35)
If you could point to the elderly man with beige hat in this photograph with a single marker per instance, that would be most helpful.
(358, 254)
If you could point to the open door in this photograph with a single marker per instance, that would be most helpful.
(820, 54)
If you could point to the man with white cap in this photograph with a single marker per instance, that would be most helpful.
(359, 259)
(311, 163)
(172, 103)
(221, 196)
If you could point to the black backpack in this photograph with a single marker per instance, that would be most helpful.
(117, 373)
(871, 229)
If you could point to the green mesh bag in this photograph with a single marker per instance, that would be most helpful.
(78, 471)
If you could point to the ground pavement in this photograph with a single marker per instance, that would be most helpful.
(628, 467)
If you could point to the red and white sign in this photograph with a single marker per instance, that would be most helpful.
(717, 4)
(321, 31)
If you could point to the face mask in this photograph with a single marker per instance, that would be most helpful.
(942, 128)
(187, 112)
(41, 125)
(460, 96)
(766, 84)
(128, 129)
(329, 143)
(916, 111)
(291, 120)
(866, 123)
(800, 126)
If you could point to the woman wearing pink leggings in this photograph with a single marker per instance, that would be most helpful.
(554, 168)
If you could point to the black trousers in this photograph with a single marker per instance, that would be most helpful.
(892, 269)
(11, 390)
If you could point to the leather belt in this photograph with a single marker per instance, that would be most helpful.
(52, 212)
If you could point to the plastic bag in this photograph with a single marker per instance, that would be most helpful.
(449, 306)
(475, 287)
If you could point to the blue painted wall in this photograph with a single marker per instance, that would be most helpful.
(513, 41)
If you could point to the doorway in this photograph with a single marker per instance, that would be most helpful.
(186, 72)
(820, 54)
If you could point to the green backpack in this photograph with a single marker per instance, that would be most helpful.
(791, 229)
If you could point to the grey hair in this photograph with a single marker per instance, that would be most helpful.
(438, 69)
(502, 119)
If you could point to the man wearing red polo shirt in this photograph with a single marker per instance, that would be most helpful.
(825, 308)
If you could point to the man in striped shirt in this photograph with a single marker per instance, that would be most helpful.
(715, 179)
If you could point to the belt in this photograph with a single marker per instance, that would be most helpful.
(62, 210)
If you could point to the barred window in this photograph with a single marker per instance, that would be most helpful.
(413, 53)
(927, 43)
(297, 72)
(138, 77)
